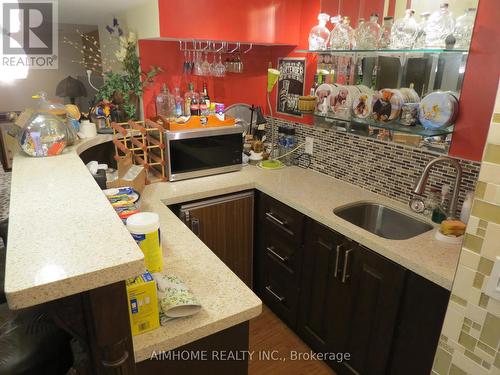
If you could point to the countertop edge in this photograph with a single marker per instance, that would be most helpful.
(198, 333)
(19, 299)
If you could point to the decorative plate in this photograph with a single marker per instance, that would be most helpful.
(438, 109)
(387, 105)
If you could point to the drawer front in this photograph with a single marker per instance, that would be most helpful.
(282, 218)
(279, 294)
(284, 253)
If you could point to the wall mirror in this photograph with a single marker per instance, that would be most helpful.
(421, 44)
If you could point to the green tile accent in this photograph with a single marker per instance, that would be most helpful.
(442, 361)
(497, 361)
(486, 211)
(483, 224)
(466, 329)
(473, 243)
(458, 300)
(454, 370)
(467, 341)
(472, 356)
(443, 338)
(483, 300)
(480, 190)
(492, 153)
(485, 266)
(496, 117)
(467, 322)
(490, 333)
(486, 348)
(476, 326)
(481, 232)
(478, 280)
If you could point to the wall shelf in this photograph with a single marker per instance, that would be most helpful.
(377, 52)
(392, 126)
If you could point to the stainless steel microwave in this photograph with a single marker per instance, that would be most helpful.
(203, 152)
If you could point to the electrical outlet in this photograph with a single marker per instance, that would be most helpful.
(309, 145)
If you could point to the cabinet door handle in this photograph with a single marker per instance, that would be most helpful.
(272, 217)
(345, 276)
(195, 226)
(272, 251)
(273, 293)
(337, 257)
(117, 363)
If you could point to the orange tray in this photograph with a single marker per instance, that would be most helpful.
(195, 122)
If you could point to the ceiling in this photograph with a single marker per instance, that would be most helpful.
(93, 12)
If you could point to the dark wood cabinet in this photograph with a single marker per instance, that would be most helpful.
(225, 225)
(349, 300)
(371, 314)
(321, 288)
(423, 308)
(341, 297)
(278, 257)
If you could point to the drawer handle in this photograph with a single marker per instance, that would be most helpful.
(345, 276)
(337, 256)
(278, 297)
(272, 217)
(272, 251)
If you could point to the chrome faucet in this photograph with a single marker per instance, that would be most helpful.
(422, 181)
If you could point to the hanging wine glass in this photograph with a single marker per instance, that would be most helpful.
(219, 68)
(205, 66)
(197, 64)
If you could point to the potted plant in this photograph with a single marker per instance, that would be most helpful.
(124, 89)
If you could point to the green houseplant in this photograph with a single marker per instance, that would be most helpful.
(125, 88)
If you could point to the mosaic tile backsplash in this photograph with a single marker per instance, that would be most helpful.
(385, 168)
(470, 338)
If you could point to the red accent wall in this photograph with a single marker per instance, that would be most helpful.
(258, 21)
(480, 84)
(298, 16)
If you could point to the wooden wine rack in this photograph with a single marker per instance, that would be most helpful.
(143, 141)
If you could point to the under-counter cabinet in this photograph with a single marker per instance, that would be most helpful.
(341, 297)
(277, 265)
(225, 225)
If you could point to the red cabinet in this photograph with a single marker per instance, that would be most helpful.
(256, 21)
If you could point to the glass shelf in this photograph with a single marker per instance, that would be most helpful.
(393, 126)
(382, 51)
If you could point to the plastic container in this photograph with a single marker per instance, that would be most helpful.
(145, 228)
(466, 208)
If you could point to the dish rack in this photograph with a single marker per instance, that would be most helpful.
(143, 141)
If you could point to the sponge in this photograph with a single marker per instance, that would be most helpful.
(452, 228)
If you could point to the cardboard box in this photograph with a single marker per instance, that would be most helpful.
(129, 175)
(142, 304)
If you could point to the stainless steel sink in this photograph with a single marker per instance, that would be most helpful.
(382, 220)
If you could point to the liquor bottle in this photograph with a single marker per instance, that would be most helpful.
(179, 103)
(194, 104)
(187, 100)
(205, 101)
(165, 103)
(314, 85)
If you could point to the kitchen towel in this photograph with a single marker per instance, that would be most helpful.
(175, 298)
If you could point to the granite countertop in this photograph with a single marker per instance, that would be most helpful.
(64, 236)
(226, 300)
(316, 195)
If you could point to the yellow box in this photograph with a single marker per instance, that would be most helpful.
(142, 303)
